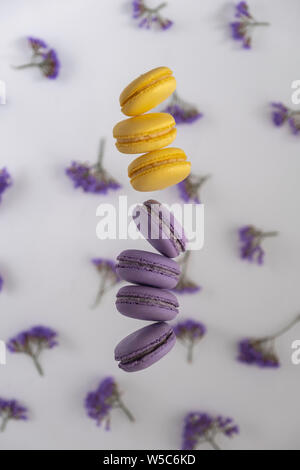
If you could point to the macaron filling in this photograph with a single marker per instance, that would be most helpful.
(148, 350)
(171, 161)
(169, 229)
(147, 300)
(145, 137)
(135, 264)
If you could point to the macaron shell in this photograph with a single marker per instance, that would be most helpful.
(136, 307)
(155, 232)
(142, 81)
(159, 169)
(139, 341)
(150, 97)
(161, 177)
(143, 267)
(145, 133)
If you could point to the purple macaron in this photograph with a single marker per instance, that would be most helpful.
(159, 226)
(144, 347)
(147, 303)
(151, 269)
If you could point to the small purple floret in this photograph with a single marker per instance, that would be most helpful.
(202, 427)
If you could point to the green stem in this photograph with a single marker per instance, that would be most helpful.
(37, 365)
(213, 443)
(125, 410)
(190, 352)
(100, 154)
(4, 423)
(101, 290)
(269, 234)
(25, 66)
(286, 328)
(156, 9)
(260, 23)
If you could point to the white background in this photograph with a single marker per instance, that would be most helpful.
(47, 229)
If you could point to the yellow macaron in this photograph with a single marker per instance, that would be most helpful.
(147, 91)
(145, 133)
(159, 169)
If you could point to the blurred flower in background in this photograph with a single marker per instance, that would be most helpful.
(1, 283)
(182, 112)
(200, 428)
(150, 17)
(100, 402)
(242, 29)
(43, 57)
(251, 239)
(185, 285)
(261, 351)
(92, 178)
(189, 332)
(109, 277)
(32, 342)
(281, 114)
(11, 409)
(5, 181)
(190, 187)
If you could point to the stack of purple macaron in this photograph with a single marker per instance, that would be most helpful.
(148, 298)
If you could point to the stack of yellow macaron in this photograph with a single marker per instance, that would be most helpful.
(160, 167)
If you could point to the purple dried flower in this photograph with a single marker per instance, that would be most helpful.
(11, 409)
(109, 277)
(101, 401)
(5, 181)
(251, 239)
(242, 9)
(92, 178)
(242, 30)
(1, 283)
(282, 114)
(200, 428)
(43, 57)
(189, 332)
(32, 342)
(190, 187)
(150, 16)
(36, 44)
(261, 351)
(182, 112)
(185, 285)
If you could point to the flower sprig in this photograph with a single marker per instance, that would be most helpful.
(242, 29)
(182, 112)
(251, 239)
(92, 178)
(261, 351)
(200, 428)
(43, 57)
(281, 114)
(100, 402)
(11, 410)
(186, 285)
(190, 187)
(33, 342)
(5, 181)
(189, 332)
(109, 277)
(150, 17)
